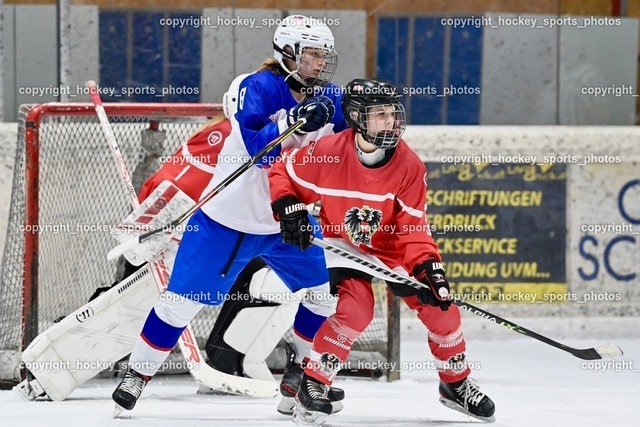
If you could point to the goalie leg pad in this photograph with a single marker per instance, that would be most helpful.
(220, 354)
(276, 319)
(92, 338)
(253, 320)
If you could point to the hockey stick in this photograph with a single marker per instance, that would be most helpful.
(199, 370)
(598, 352)
(125, 246)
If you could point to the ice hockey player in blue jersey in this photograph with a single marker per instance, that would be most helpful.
(238, 225)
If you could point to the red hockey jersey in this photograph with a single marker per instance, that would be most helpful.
(381, 210)
(191, 167)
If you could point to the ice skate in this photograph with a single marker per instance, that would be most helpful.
(289, 388)
(465, 396)
(128, 391)
(312, 407)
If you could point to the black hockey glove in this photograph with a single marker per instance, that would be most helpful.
(320, 109)
(294, 221)
(431, 273)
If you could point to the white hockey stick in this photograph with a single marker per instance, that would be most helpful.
(598, 352)
(199, 370)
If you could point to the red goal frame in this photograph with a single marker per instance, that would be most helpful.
(32, 151)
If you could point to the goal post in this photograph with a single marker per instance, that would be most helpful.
(66, 197)
(32, 128)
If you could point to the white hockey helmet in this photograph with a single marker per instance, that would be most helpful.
(298, 32)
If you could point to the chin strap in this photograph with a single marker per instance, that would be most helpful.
(295, 84)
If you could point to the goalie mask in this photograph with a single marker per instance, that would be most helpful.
(372, 107)
(308, 43)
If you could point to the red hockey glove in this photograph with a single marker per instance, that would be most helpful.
(431, 273)
(294, 221)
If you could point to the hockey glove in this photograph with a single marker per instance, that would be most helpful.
(318, 110)
(295, 228)
(431, 273)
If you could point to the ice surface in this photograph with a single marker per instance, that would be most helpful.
(531, 383)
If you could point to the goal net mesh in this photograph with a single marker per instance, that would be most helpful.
(64, 166)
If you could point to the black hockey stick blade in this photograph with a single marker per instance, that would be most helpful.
(604, 351)
(599, 352)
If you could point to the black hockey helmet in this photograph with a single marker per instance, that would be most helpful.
(362, 94)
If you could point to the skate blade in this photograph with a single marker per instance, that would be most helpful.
(287, 405)
(453, 405)
(302, 417)
(117, 411)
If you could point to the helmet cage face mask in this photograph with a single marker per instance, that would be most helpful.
(373, 108)
(374, 124)
(315, 66)
(308, 43)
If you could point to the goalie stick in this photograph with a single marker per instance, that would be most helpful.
(598, 352)
(127, 245)
(199, 370)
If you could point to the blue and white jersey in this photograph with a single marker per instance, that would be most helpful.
(264, 99)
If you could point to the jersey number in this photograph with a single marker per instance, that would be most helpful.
(241, 98)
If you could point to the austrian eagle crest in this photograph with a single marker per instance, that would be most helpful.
(330, 363)
(362, 223)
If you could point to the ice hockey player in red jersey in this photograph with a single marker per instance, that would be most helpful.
(372, 187)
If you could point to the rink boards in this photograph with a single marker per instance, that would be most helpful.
(555, 209)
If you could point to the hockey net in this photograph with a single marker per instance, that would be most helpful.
(66, 197)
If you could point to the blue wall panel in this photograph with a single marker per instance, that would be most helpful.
(428, 59)
(432, 63)
(392, 49)
(465, 73)
(184, 62)
(113, 52)
(163, 64)
(147, 62)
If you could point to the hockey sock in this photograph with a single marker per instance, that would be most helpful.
(331, 348)
(316, 306)
(332, 343)
(446, 340)
(305, 326)
(161, 332)
(153, 345)
(449, 352)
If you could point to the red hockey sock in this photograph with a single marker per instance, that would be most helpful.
(446, 340)
(333, 341)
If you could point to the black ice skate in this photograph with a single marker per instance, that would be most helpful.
(128, 391)
(312, 407)
(465, 396)
(289, 388)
